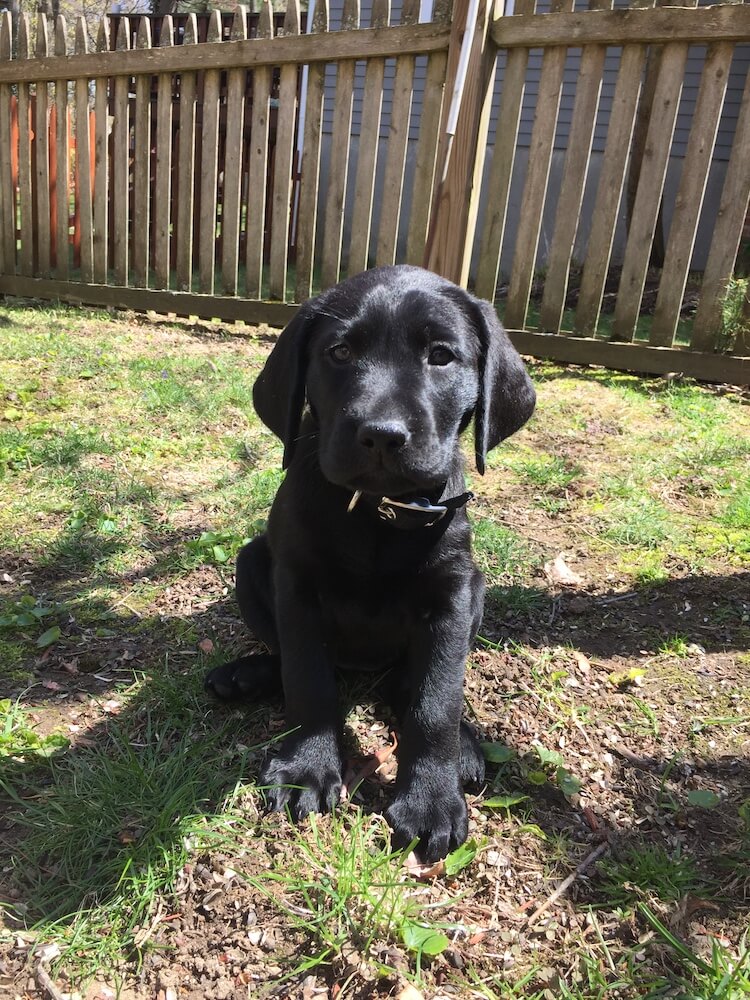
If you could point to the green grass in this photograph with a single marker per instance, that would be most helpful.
(133, 467)
(112, 824)
(500, 552)
(643, 871)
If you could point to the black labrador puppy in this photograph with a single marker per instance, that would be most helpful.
(367, 562)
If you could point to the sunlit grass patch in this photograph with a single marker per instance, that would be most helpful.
(117, 817)
(500, 552)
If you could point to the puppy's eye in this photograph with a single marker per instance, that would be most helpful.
(341, 353)
(440, 355)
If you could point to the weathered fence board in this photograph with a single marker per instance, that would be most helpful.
(141, 166)
(367, 156)
(186, 167)
(231, 207)
(259, 163)
(283, 168)
(101, 167)
(588, 89)
(398, 133)
(121, 167)
(25, 179)
(727, 232)
(164, 160)
(339, 169)
(42, 180)
(209, 172)
(501, 173)
(537, 177)
(307, 216)
(7, 182)
(689, 201)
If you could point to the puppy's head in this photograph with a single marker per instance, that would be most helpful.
(394, 363)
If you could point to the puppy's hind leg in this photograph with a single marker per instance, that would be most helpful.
(256, 677)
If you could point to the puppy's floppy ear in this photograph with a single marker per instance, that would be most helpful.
(506, 395)
(279, 390)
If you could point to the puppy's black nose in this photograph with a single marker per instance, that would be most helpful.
(383, 436)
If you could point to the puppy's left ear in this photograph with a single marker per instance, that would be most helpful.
(279, 390)
(506, 395)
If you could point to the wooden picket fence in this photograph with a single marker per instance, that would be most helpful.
(173, 173)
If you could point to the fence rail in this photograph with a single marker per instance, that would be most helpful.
(199, 177)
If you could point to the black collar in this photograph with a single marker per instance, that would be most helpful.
(409, 512)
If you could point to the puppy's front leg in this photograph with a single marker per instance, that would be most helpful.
(307, 773)
(429, 802)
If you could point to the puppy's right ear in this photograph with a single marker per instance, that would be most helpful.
(279, 390)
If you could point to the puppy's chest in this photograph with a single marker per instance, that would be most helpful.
(366, 625)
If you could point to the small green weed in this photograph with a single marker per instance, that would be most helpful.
(735, 322)
(675, 645)
(343, 888)
(643, 870)
(20, 740)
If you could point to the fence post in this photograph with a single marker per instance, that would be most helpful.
(461, 157)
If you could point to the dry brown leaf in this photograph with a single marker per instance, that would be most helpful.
(560, 573)
(582, 661)
(421, 871)
(410, 992)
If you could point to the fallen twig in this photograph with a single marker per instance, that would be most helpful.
(566, 883)
(45, 983)
(642, 763)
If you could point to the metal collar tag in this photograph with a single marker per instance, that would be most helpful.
(426, 513)
(418, 512)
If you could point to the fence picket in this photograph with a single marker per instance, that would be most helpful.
(62, 159)
(578, 154)
(427, 145)
(101, 165)
(338, 171)
(537, 177)
(695, 168)
(284, 165)
(163, 170)
(503, 158)
(398, 135)
(84, 204)
(142, 164)
(25, 180)
(7, 186)
(231, 206)
(41, 157)
(367, 156)
(648, 197)
(121, 163)
(186, 167)
(258, 164)
(609, 191)
(209, 168)
(730, 220)
(307, 216)
(462, 144)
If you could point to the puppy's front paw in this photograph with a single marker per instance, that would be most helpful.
(306, 776)
(248, 678)
(472, 758)
(433, 811)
